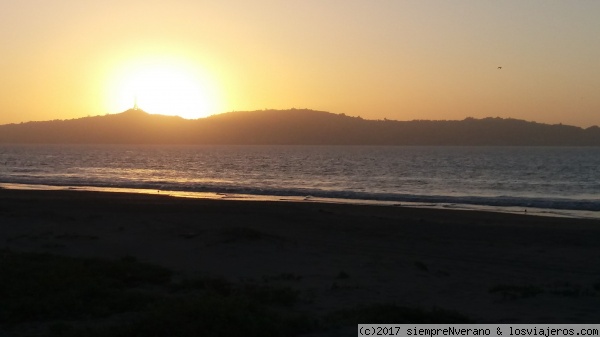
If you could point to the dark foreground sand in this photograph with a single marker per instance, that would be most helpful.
(479, 264)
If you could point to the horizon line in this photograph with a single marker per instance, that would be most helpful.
(138, 109)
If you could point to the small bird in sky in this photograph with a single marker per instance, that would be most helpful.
(499, 67)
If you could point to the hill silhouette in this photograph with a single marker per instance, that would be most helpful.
(294, 126)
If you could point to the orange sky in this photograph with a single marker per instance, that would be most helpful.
(390, 59)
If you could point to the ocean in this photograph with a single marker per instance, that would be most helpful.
(555, 181)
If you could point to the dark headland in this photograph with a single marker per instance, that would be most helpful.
(294, 127)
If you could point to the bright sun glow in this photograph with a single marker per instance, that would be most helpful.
(166, 87)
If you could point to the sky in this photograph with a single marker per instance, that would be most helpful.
(394, 59)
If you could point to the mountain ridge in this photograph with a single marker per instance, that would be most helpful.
(294, 127)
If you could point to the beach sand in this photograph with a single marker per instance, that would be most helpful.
(482, 265)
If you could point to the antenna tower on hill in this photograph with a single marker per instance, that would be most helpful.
(135, 105)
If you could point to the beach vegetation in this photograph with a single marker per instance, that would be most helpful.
(61, 290)
(563, 289)
(342, 275)
(41, 286)
(385, 313)
(66, 296)
(251, 292)
(421, 266)
(282, 277)
(513, 292)
(210, 284)
(568, 289)
(210, 315)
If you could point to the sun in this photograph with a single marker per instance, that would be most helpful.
(165, 86)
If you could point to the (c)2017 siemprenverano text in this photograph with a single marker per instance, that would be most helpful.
(432, 330)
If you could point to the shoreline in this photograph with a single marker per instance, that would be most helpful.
(476, 263)
(545, 212)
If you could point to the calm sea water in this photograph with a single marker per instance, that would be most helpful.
(554, 180)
